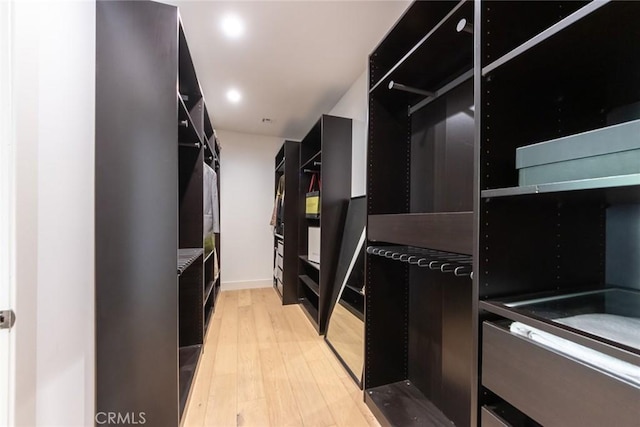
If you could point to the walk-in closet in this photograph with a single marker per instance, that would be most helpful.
(335, 213)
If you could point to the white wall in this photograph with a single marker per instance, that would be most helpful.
(54, 87)
(354, 105)
(247, 191)
(246, 202)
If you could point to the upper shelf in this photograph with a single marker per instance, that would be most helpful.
(188, 84)
(611, 189)
(547, 33)
(444, 54)
(514, 18)
(410, 28)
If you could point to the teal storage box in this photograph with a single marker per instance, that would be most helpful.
(610, 151)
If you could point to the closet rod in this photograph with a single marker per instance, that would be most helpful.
(444, 89)
(405, 88)
(465, 26)
(192, 145)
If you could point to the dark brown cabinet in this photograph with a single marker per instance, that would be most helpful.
(325, 153)
(420, 196)
(155, 283)
(285, 240)
(504, 212)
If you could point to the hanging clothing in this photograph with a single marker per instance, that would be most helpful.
(276, 215)
(211, 202)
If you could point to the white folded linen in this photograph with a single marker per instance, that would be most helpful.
(616, 367)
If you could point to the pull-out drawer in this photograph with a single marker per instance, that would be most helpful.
(552, 388)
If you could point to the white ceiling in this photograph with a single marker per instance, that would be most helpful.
(294, 62)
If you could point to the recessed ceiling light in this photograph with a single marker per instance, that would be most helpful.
(233, 95)
(232, 26)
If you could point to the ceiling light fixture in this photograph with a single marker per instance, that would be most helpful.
(234, 96)
(232, 26)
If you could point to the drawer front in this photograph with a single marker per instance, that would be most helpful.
(551, 388)
(281, 248)
(280, 287)
(280, 261)
(489, 419)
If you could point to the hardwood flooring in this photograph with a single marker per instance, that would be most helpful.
(264, 365)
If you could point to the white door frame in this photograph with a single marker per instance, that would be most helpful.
(7, 240)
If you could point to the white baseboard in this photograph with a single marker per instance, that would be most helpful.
(246, 284)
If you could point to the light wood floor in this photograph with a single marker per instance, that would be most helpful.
(264, 365)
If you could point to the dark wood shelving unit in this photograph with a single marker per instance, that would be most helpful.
(285, 240)
(151, 144)
(325, 151)
(541, 242)
(420, 200)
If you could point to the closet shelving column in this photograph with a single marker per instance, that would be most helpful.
(191, 152)
(212, 275)
(419, 295)
(285, 240)
(566, 242)
(326, 152)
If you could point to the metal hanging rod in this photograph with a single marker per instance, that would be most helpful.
(398, 86)
(464, 26)
(444, 89)
(192, 145)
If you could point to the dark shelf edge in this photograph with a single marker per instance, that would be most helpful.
(185, 392)
(404, 405)
(208, 256)
(311, 263)
(208, 289)
(544, 35)
(311, 311)
(446, 231)
(280, 167)
(310, 283)
(418, 45)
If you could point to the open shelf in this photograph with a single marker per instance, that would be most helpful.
(547, 33)
(403, 404)
(311, 311)
(207, 290)
(445, 262)
(186, 257)
(310, 164)
(310, 284)
(280, 166)
(449, 53)
(187, 79)
(188, 357)
(451, 232)
(315, 265)
(612, 189)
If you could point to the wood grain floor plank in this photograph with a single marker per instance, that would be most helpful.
(265, 365)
